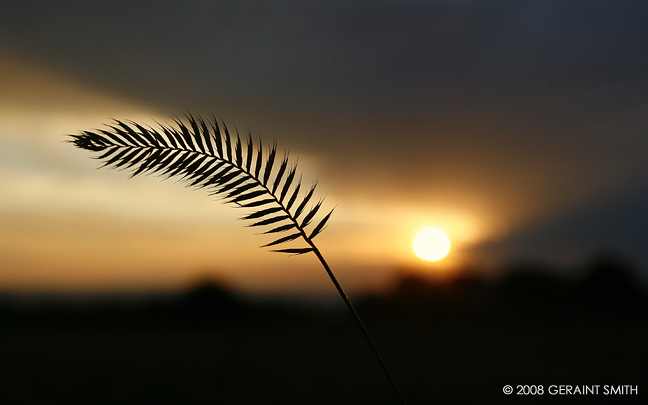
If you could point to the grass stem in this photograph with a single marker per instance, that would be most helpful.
(359, 321)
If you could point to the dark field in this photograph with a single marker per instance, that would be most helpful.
(458, 343)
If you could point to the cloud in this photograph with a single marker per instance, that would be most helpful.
(618, 225)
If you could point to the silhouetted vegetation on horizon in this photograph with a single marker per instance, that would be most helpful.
(606, 288)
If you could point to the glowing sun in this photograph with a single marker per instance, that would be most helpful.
(431, 244)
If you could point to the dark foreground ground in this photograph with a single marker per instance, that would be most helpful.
(459, 343)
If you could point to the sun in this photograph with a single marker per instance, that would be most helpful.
(431, 244)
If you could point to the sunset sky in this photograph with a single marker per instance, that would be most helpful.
(519, 128)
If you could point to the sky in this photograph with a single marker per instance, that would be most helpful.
(517, 127)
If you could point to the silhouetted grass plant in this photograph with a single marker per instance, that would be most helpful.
(204, 155)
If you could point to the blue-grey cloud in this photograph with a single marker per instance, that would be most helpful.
(618, 225)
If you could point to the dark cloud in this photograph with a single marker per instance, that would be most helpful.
(395, 52)
(618, 225)
(526, 108)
